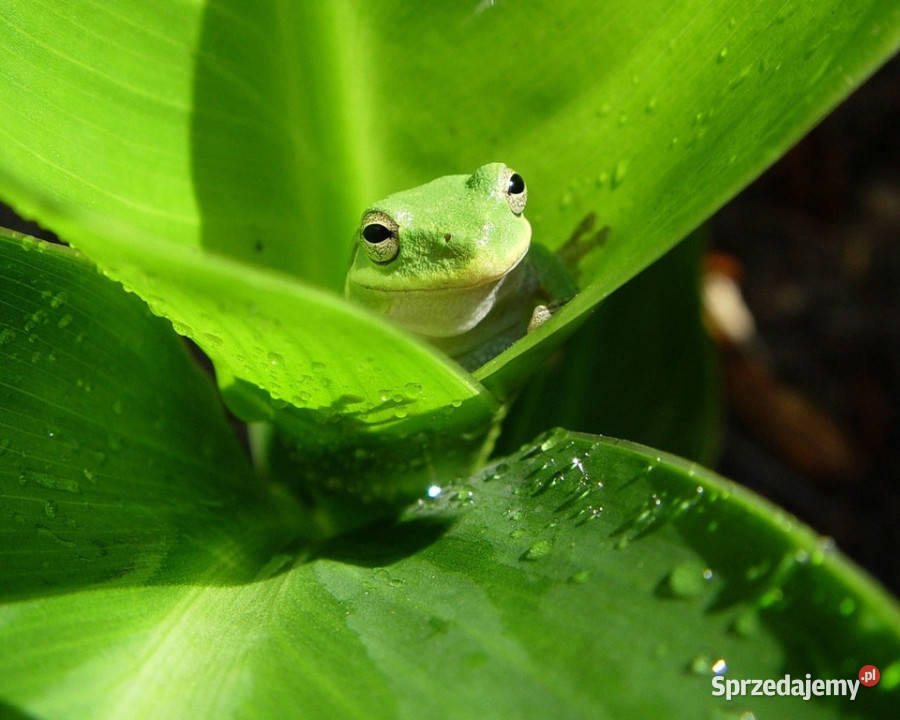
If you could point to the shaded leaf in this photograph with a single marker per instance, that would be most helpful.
(641, 367)
(581, 577)
(116, 463)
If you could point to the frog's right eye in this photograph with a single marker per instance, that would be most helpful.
(516, 192)
(379, 234)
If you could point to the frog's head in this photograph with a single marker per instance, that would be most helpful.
(454, 232)
(424, 256)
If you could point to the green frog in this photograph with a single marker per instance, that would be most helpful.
(452, 261)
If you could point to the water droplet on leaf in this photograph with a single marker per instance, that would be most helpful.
(539, 550)
(581, 577)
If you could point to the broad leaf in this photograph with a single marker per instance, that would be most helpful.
(143, 572)
(116, 463)
(582, 577)
(260, 130)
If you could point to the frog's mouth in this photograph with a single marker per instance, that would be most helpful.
(449, 284)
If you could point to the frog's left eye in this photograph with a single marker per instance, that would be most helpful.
(379, 233)
(515, 190)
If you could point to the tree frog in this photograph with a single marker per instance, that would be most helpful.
(450, 261)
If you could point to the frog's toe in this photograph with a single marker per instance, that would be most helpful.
(539, 316)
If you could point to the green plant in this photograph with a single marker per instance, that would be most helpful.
(211, 159)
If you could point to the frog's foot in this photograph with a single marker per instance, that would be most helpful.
(539, 316)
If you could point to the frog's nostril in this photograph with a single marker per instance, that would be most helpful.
(447, 237)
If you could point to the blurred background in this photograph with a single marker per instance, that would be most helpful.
(815, 244)
(812, 408)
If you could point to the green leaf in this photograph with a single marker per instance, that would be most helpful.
(642, 367)
(302, 345)
(259, 132)
(582, 577)
(675, 107)
(116, 463)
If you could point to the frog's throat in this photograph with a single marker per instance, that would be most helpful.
(444, 311)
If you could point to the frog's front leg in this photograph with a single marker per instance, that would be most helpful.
(554, 285)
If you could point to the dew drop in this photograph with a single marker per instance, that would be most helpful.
(537, 551)
(847, 606)
(703, 665)
(182, 328)
(50, 509)
(890, 676)
(549, 442)
(723, 53)
(53, 483)
(771, 597)
(688, 580)
(64, 321)
(746, 624)
(825, 547)
(619, 173)
(580, 578)
(754, 572)
(499, 471)
(700, 665)
(578, 465)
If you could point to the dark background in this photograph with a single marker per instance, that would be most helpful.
(815, 239)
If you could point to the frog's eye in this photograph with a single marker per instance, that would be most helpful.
(515, 190)
(379, 235)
